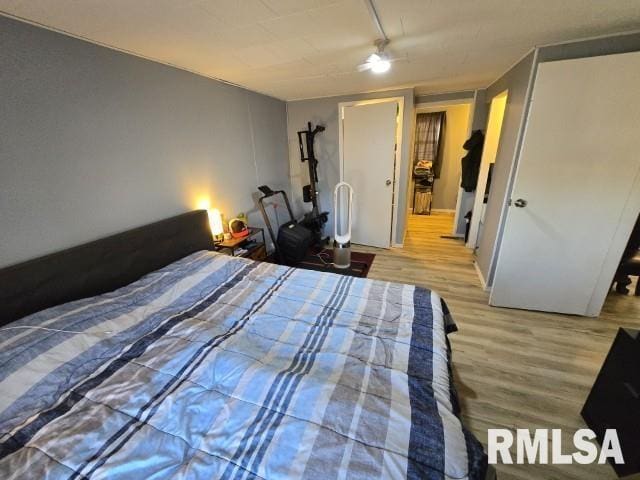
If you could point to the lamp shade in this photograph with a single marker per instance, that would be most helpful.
(215, 222)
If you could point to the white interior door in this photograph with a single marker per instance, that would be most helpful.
(578, 174)
(368, 150)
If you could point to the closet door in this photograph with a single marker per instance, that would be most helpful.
(576, 193)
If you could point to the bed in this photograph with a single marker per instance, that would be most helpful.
(221, 367)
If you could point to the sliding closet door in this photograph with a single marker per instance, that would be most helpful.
(577, 190)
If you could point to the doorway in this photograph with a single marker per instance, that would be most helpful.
(455, 126)
(445, 192)
(370, 144)
(488, 159)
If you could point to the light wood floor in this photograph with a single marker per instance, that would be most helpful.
(513, 368)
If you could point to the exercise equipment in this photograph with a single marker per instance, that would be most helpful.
(315, 219)
(293, 239)
(342, 212)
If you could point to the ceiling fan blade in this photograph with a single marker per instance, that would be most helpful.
(402, 58)
(363, 67)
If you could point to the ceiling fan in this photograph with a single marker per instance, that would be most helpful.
(378, 62)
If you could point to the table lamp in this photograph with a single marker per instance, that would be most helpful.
(215, 222)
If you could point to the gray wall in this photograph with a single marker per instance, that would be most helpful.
(95, 141)
(516, 81)
(445, 97)
(480, 111)
(445, 188)
(324, 111)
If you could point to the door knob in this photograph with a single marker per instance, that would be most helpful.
(520, 203)
(388, 182)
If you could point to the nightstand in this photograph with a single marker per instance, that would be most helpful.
(252, 246)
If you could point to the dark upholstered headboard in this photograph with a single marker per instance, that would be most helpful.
(100, 266)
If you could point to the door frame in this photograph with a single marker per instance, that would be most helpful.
(483, 174)
(397, 162)
(477, 116)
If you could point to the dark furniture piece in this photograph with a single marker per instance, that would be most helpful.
(322, 261)
(315, 219)
(614, 401)
(100, 266)
(294, 238)
(629, 263)
(252, 246)
(423, 185)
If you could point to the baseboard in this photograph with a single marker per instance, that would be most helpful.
(434, 210)
(439, 210)
(397, 245)
(481, 277)
(444, 210)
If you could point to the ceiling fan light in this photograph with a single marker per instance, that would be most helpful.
(373, 58)
(381, 66)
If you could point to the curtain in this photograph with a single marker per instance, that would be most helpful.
(428, 145)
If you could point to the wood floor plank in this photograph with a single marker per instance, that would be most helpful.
(513, 368)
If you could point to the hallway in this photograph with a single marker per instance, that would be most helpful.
(513, 368)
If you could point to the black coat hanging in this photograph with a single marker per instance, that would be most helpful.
(471, 161)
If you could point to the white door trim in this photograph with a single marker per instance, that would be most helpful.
(481, 277)
(456, 217)
(513, 168)
(483, 174)
(398, 159)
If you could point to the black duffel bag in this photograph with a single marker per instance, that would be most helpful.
(293, 242)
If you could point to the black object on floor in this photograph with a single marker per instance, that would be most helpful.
(451, 237)
(615, 397)
(467, 226)
(629, 263)
(294, 239)
(360, 263)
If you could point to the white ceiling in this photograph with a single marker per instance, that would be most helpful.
(295, 49)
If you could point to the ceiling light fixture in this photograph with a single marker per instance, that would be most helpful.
(378, 62)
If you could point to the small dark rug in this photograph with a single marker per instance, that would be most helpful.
(360, 263)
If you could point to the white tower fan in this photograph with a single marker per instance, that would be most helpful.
(342, 241)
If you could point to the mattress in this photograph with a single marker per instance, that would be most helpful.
(221, 367)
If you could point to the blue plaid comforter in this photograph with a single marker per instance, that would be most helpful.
(219, 367)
